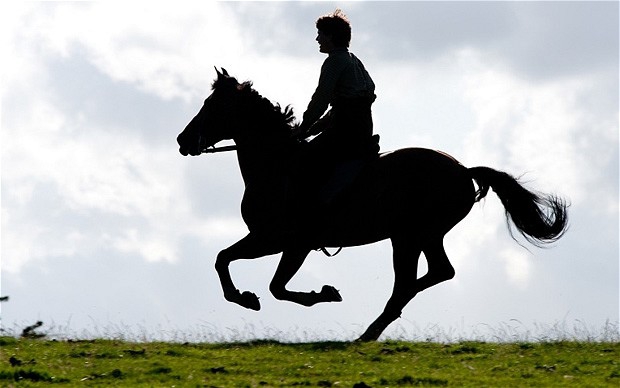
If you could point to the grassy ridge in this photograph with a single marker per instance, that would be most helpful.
(30, 362)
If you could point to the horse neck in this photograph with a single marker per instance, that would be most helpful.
(263, 141)
(262, 157)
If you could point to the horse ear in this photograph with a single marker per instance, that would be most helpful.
(219, 75)
(222, 74)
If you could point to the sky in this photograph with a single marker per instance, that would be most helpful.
(106, 230)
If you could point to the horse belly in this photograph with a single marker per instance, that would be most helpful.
(413, 191)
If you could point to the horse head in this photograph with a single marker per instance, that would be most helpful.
(236, 111)
(216, 119)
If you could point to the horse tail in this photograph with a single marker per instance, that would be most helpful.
(540, 218)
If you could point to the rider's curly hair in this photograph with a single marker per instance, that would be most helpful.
(337, 25)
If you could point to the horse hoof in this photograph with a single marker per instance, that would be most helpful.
(365, 339)
(331, 294)
(249, 300)
(368, 337)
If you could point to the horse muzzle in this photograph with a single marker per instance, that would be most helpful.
(188, 147)
(190, 151)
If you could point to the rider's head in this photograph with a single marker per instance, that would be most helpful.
(337, 26)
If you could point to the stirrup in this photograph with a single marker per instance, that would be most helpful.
(326, 252)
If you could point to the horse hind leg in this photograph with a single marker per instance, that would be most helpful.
(405, 257)
(439, 267)
(406, 284)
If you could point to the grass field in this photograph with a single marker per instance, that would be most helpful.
(40, 362)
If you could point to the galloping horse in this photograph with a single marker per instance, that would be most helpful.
(412, 196)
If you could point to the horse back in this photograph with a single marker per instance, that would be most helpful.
(419, 174)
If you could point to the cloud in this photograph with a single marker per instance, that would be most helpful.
(90, 160)
(147, 46)
(544, 128)
(559, 39)
(536, 40)
(517, 266)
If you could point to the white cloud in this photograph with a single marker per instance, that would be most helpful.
(540, 128)
(517, 266)
(159, 48)
(90, 169)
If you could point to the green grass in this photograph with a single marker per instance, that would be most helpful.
(39, 362)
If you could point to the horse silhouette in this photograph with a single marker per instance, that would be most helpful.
(412, 196)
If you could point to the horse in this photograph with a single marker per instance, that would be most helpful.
(411, 196)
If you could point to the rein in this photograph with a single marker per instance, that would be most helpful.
(212, 150)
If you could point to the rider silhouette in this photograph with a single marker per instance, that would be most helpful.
(345, 134)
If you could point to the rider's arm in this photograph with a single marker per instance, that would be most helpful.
(330, 73)
(321, 124)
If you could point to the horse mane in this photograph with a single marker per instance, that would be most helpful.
(260, 108)
(282, 117)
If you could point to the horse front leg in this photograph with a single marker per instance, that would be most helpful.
(249, 247)
(291, 261)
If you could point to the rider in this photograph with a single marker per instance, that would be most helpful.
(345, 134)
